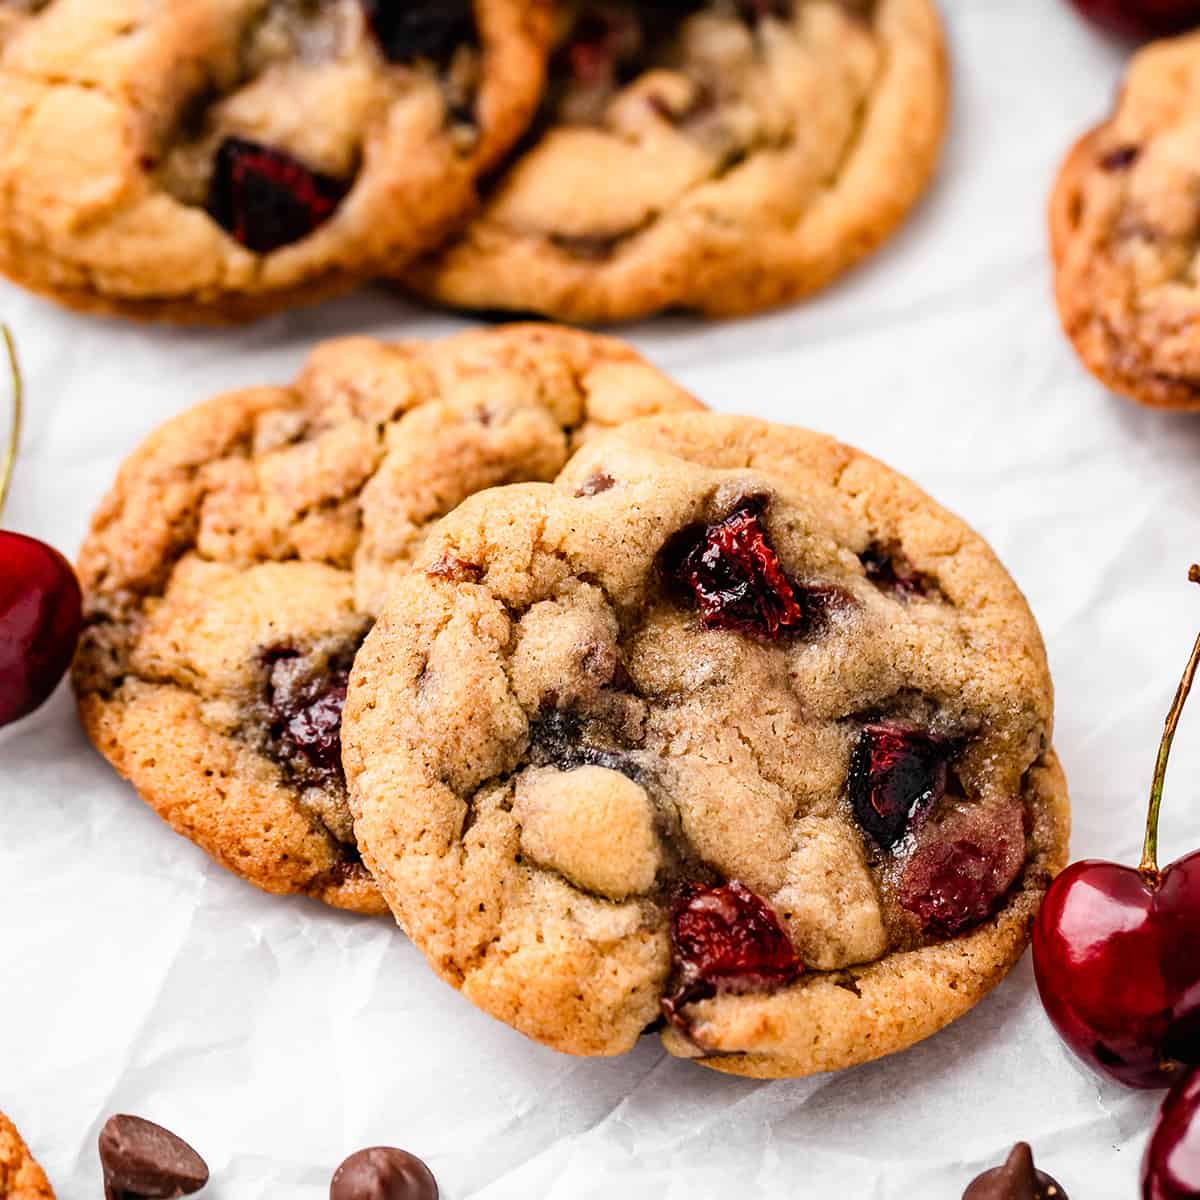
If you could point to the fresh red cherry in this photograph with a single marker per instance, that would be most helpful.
(1171, 1166)
(40, 601)
(1115, 950)
(1141, 18)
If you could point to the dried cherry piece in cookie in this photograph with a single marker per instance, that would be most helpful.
(307, 715)
(431, 29)
(727, 939)
(959, 873)
(896, 772)
(735, 577)
(265, 198)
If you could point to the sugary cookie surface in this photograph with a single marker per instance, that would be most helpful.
(216, 158)
(236, 565)
(731, 727)
(20, 1176)
(1126, 229)
(716, 154)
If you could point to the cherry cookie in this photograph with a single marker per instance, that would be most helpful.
(215, 159)
(20, 1176)
(1125, 232)
(720, 155)
(731, 726)
(234, 568)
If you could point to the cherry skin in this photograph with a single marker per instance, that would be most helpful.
(40, 617)
(1114, 950)
(1141, 18)
(1117, 971)
(40, 601)
(1171, 1166)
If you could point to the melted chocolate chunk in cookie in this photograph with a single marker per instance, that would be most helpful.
(431, 29)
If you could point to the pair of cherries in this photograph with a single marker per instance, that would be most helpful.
(40, 601)
(1116, 952)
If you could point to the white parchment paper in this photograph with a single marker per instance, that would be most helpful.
(277, 1037)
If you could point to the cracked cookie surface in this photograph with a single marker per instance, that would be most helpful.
(672, 743)
(216, 159)
(1125, 233)
(20, 1176)
(723, 156)
(233, 570)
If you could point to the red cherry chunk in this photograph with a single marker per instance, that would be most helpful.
(961, 869)
(727, 939)
(40, 619)
(267, 199)
(890, 571)
(735, 577)
(897, 772)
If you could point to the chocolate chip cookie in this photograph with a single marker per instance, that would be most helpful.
(731, 728)
(20, 1176)
(719, 155)
(233, 570)
(1125, 228)
(215, 159)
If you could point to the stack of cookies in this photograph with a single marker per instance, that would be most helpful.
(591, 160)
(634, 716)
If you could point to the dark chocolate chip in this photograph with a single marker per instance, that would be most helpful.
(1018, 1179)
(144, 1161)
(594, 484)
(1121, 158)
(431, 29)
(383, 1173)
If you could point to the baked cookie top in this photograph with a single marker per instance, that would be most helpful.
(1125, 231)
(720, 155)
(235, 566)
(214, 159)
(20, 1176)
(731, 725)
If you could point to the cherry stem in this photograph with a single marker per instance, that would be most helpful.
(1149, 863)
(14, 437)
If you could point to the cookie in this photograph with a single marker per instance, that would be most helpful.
(235, 566)
(20, 1176)
(217, 159)
(730, 727)
(723, 156)
(1125, 230)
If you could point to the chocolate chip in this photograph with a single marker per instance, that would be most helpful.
(383, 1173)
(1121, 158)
(594, 484)
(431, 29)
(144, 1161)
(1018, 1179)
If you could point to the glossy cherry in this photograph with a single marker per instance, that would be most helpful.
(40, 602)
(1141, 18)
(1115, 950)
(1171, 1164)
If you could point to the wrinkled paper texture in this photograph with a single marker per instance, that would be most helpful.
(278, 1037)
